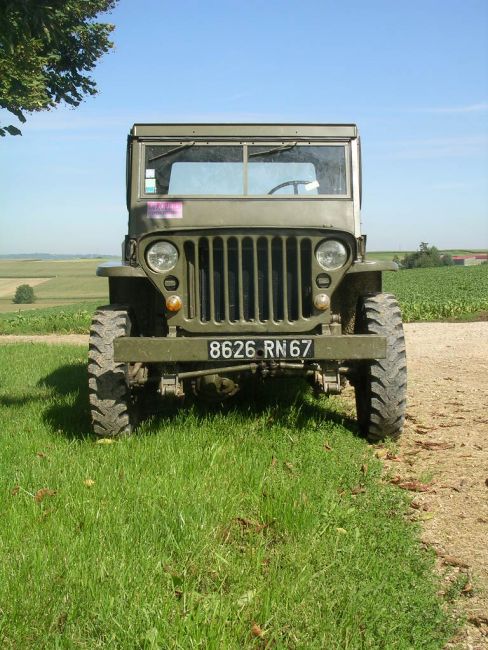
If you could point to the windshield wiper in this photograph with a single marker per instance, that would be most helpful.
(266, 152)
(187, 145)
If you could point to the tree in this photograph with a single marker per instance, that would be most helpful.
(24, 295)
(425, 257)
(398, 261)
(47, 47)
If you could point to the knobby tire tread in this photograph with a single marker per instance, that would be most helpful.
(382, 387)
(111, 406)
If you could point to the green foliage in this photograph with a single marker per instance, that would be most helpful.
(396, 255)
(204, 523)
(439, 293)
(456, 587)
(24, 295)
(425, 257)
(69, 319)
(47, 47)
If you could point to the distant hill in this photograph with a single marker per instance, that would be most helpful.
(53, 256)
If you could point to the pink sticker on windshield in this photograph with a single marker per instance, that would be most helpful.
(165, 209)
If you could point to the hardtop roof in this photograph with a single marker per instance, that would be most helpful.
(245, 130)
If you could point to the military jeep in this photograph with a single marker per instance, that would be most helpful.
(244, 259)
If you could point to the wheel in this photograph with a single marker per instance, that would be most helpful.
(111, 401)
(381, 385)
(287, 183)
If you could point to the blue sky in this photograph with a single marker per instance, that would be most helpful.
(413, 75)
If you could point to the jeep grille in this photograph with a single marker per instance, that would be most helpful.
(248, 279)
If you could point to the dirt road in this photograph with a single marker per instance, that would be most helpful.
(445, 449)
(445, 445)
(51, 339)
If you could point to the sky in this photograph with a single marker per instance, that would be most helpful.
(412, 74)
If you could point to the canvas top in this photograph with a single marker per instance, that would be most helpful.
(306, 131)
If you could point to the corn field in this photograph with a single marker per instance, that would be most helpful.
(440, 293)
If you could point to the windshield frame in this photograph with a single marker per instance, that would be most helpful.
(272, 144)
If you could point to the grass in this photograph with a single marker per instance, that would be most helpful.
(68, 281)
(204, 524)
(49, 268)
(69, 319)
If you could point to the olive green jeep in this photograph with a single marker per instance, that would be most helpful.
(244, 259)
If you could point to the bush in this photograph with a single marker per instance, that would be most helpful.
(24, 295)
(425, 257)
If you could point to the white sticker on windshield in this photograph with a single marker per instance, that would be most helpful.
(311, 186)
(150, 173)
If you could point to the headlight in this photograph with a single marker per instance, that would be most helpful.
(331, 254)
(161, 256)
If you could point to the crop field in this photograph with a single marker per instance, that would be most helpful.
(9, 285)
(56, 282)
(66, 319)
(440, 293)
(265, 524)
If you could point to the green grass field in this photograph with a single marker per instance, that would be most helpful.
(265, 525)
(67, 282)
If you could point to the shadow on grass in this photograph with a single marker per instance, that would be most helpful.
(69, 414)
(19, 401)
(287, 401)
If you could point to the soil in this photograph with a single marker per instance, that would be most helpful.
(445, 446)
(9, 285)
(65, 339)
(443, 453)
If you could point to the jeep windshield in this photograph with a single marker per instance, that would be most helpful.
(267, 169)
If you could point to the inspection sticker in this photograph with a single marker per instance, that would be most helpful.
(165, 209)
(150, 186)
(150, 173)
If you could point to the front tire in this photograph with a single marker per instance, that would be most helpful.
(111, 401)
(381, 384)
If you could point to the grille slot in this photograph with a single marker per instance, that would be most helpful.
(243, 279)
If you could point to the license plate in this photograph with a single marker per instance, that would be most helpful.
(260, 349)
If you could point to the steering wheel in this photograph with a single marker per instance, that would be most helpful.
(286, 183)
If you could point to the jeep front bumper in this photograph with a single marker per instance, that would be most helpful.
(196, 349)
